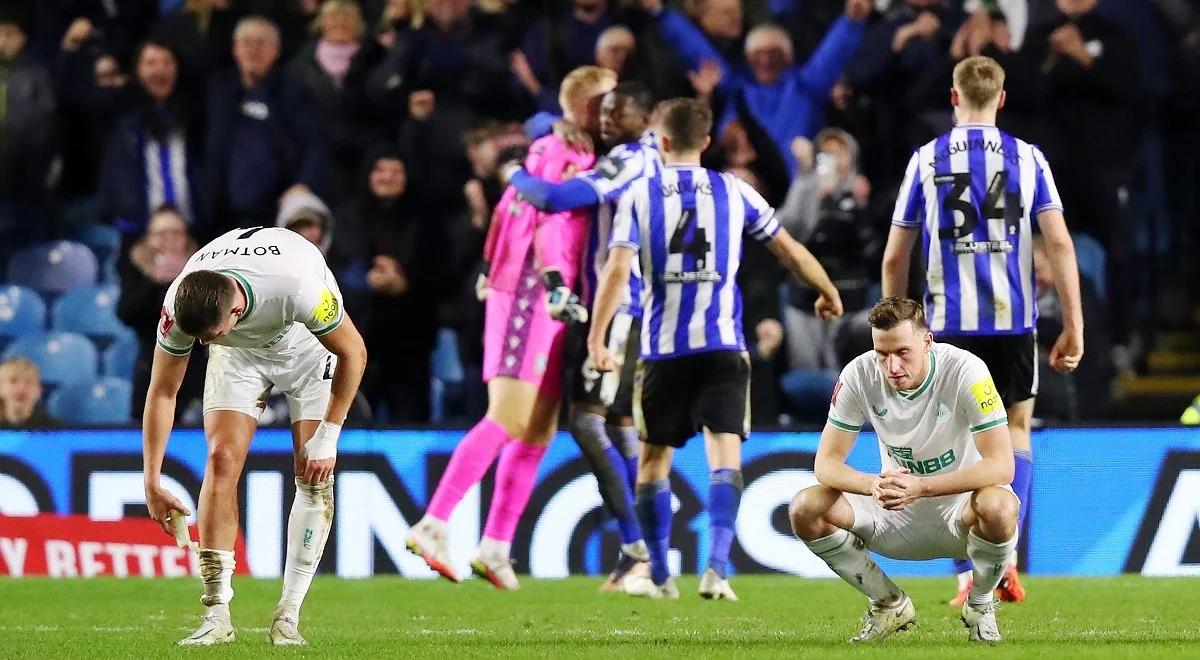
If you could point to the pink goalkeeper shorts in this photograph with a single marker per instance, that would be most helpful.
(520, 340)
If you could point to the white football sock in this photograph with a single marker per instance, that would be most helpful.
(991, 560)
(847, 555)
(308, 528)
(216, 572)
(490, 547)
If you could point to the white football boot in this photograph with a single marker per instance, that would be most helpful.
(285, 629)
(880, 622)
(714, 587)
(642, 586)
(497, 570)
(980, 621)
(216, 628)
(430, 544)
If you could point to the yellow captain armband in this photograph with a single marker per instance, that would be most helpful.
(986, 396)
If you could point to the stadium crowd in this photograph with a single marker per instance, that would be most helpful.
(376, 130)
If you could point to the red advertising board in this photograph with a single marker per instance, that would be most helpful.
(77, 546)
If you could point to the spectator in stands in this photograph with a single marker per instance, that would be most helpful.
(910, 41)
(265, 134)
(558, 44)
(333, 67)
(408, 253)
(615, 48)
(454, 56)
(1060, 395)
(21, 395)
(145, 273)
(786, 98)
(201, 35)
(758, 279)
(1091, 69)
(27, 136)
(91, 86)
(307, 215)
(152, 154)
(115, 27)
(487, 145)
(826, 209)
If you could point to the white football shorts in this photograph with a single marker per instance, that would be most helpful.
(929, 528)
(241, 379)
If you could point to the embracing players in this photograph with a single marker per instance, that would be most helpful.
(972, 195)
(686, 223)
(533, 255)
(602, 409)
(944, 488)
(269, 309)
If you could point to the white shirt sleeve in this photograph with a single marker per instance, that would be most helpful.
(626, 221)
(319, 303)
(978, 397)
(847, 409)
(910, 200)
(761, 224)
(170, 338)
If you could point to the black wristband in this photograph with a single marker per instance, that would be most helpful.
(552, 279)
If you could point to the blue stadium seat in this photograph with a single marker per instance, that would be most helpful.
(1091, 257)
(105, 243)
(120, 356)
(447, 371)
(52, 268)
(90, 311)
(103, 401)
(22, 311)
(62, 357)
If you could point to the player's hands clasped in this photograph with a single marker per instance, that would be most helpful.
(160, 502)
(1067, 351)
(828, 306)
(896, 489)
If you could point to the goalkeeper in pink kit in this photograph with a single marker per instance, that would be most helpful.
(534, 256)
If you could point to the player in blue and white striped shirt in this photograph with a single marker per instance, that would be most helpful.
(687, 223)
(602, 403)
(973, 196)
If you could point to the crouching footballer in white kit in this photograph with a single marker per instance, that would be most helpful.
(269, 308)
(947, 462)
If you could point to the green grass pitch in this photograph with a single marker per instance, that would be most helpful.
(778, 616)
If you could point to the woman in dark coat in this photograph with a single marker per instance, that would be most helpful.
(404, 250)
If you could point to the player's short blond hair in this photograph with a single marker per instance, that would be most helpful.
(19, 364)
(979, 81)
(583, 84)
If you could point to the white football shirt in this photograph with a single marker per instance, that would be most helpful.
(928, 430)
(285, 280)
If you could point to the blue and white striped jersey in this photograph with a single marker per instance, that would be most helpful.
(687, 224)
(975, 192)
(610, 177)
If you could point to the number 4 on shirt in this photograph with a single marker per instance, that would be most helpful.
(690, 238)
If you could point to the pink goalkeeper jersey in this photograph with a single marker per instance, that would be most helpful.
(557, 239)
